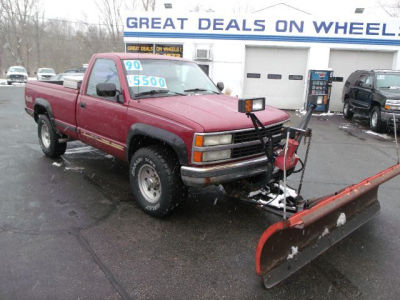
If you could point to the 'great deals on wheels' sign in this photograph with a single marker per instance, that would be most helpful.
(308, 29)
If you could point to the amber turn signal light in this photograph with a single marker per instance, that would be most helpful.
(197, 156)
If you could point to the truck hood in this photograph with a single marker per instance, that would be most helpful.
(213, 112)
(390, 93)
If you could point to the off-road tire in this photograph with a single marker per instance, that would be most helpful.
(167, 169)
(375, 121)
(346, 110)
(52, 147)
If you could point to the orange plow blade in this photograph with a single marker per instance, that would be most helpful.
(290, 244)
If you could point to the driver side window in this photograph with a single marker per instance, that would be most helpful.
(104, 71)
(365, 80)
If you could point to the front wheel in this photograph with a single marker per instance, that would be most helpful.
(155, 180)
(48, 138)
(375, 121)
(346, 110)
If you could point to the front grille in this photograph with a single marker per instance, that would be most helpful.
(251, 135)
(17, 76)
(246, 151)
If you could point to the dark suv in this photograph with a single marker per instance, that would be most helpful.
(374, 94)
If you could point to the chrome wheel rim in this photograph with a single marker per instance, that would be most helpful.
(346, 109)
(149, 183)
(45, 135)
(374, 119)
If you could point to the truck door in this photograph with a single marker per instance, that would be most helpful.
(101, 120)
(364, 91)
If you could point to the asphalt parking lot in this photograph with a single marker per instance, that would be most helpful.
(69, 228)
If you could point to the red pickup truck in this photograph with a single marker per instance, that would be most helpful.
(161, 114)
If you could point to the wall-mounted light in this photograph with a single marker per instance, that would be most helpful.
(359, 10)
(168, 5)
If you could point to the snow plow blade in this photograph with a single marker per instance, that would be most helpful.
(290, 244)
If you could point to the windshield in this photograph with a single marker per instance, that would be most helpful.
(46, 70)
(388, 81)
(18, 69)
(161, 78)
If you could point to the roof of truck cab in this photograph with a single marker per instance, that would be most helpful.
(123, 55)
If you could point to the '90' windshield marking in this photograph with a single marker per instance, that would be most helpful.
(133, 65)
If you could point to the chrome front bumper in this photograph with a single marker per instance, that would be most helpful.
(202, 176)
(387, 116)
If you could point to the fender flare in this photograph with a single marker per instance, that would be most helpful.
(46, 105)
(171, 139)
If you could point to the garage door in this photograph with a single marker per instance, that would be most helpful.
(344, 62)
(277, 74)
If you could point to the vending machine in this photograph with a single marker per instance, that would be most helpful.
(319, 87)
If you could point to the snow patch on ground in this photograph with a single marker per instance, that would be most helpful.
(57, 164)
(215, 201)
(384, 136)
(75, 169)
(300, 112)
(324, 233)
(328, 114)
(341, 220)
(344, 127)
(294, 251)
(257, 192)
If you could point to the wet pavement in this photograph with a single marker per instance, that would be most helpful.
(70, 229)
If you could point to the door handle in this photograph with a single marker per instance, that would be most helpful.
(83, 104)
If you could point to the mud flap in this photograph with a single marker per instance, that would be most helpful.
(290, 244)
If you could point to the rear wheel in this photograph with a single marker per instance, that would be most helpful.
(375, 121)
(346, 110)
(48, 138)
(155, 180)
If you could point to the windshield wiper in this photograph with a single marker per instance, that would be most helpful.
(156, 92)
(200, 90)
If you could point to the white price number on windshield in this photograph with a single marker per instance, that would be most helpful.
(145, 80)
(133, 65)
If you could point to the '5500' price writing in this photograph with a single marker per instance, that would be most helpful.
(145, 80)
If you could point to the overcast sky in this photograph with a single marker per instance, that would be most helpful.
(87, 10)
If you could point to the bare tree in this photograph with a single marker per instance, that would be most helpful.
(14, 20)
(149, 4)
(110, 12)
(391, 7)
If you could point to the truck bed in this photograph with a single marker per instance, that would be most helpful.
(62, 100)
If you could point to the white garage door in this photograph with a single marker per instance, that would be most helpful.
(344, 62)
(278, 74)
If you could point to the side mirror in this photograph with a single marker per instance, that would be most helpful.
(220, 86)
(366, 86)
(106, 89)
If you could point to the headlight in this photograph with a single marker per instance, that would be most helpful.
(392, 104)
(216, 155)
(250, 105)
(213, 140)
